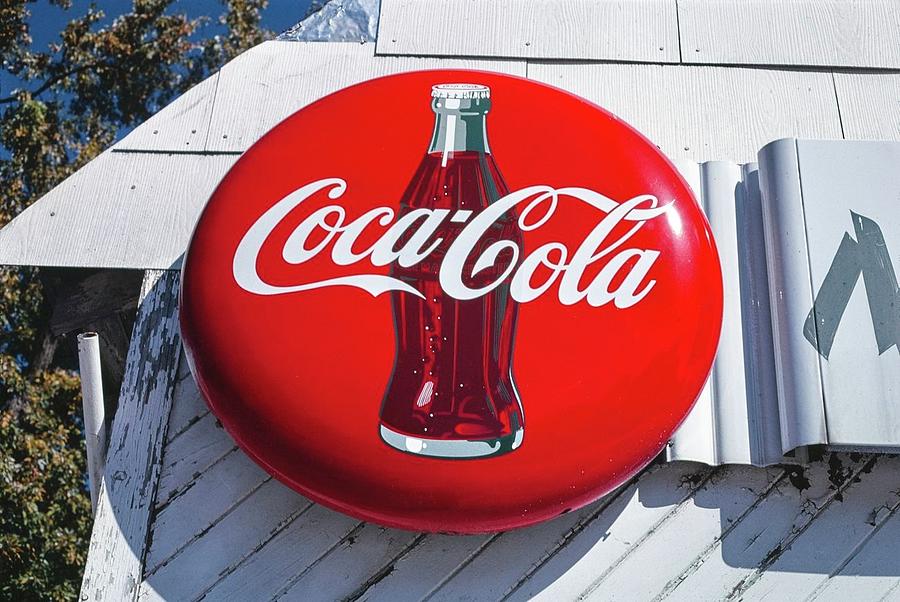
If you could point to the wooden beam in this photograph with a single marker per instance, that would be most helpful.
(119, 537)
(83, 296)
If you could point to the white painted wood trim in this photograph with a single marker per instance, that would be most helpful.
(828, 33)
(705, 113)
(121, 210)
(119, 537)
(834, 33)
(623, 30)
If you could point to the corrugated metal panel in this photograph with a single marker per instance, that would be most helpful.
(535, 29)
(838, 374)
(791, 296)
(831, 224)
(736, 419)
(791, 32)
(851, 202)
(831, 215)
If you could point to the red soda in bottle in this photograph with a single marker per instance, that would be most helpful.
(452, 393)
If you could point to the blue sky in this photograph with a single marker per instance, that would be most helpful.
(47, 20)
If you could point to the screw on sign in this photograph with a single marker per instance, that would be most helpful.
(434, 345)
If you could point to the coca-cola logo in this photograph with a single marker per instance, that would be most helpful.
(451, 301)
(338, 233)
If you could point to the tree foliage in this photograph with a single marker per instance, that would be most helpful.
(99, 79)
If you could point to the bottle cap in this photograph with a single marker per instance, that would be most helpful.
(462, 91)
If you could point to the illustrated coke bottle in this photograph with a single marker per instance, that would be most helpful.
(452, 392)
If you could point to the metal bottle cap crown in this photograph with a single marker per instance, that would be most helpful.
(461, 91)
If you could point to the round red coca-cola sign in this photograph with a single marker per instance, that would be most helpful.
(451, 301)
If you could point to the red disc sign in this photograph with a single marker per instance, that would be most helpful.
(451, 301)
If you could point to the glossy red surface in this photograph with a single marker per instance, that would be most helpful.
(298, 379)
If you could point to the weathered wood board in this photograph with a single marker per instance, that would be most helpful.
(870, 104)
(121, 210)
(151, 189)
(622, 30)
(791, 32)
(265, 85)
(707, 534)
(705, 113)
(183, 125)
(121, 523)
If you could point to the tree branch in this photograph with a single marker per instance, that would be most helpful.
(53, 80)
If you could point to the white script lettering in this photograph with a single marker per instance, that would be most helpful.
(417, 233)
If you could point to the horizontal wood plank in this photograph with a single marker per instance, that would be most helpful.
(717, 506)
(183, 125)
(855, 517)
(550, 29)
(737, 558)
(791, 32)
(266, 84)
(121, 210)
(226, 544)
(432, 562)
(190, 455)
(876, 558)
(869, 104)
(211, 496)
(188, 406)
(347, 566)
(705, 113)
(588, 551)
(286, 558)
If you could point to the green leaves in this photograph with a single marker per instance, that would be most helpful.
(94, 82)
(44, 512)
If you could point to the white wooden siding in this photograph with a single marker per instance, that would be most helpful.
(705, 113)
(839, 33)
(182, 126)
(870, 104)
(265, 85)
(150, 189)
(121, 210)
(626, 30)
(845, 33)
(680, 531)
